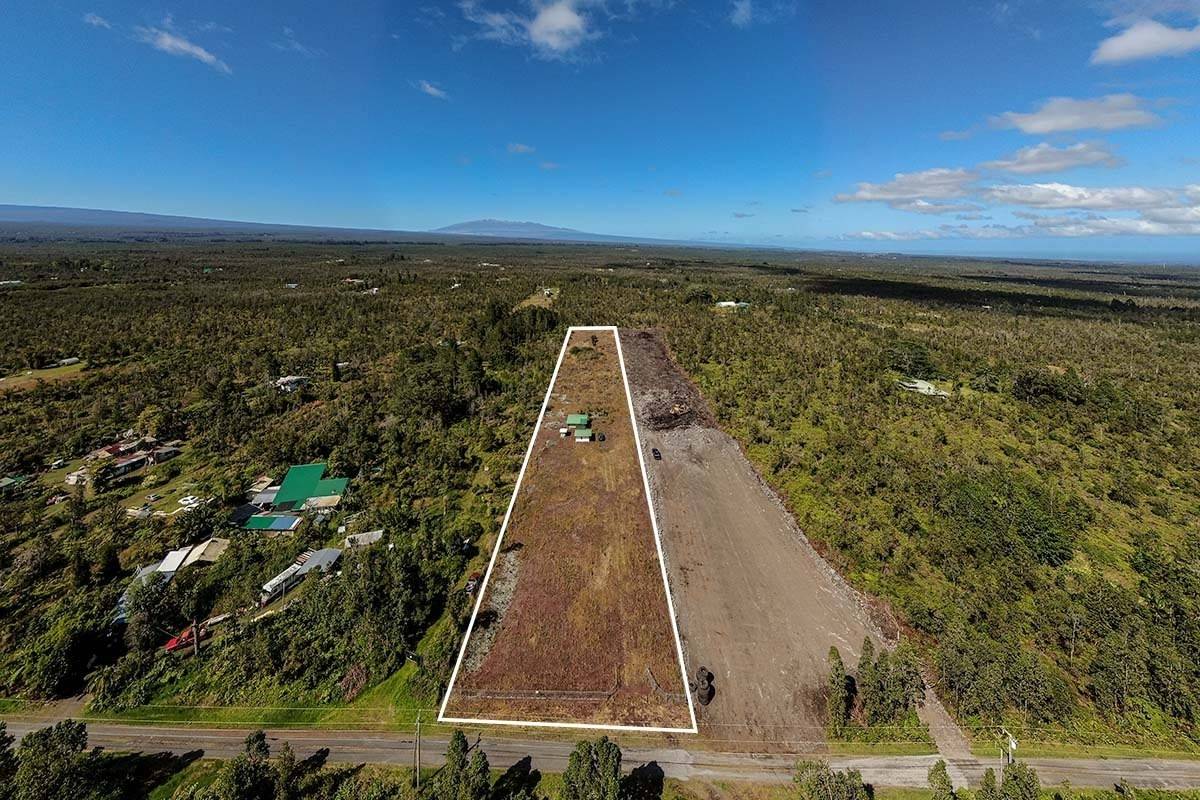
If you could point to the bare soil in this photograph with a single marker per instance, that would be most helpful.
(577, 628)
(756, 604)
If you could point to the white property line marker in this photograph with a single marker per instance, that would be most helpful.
(462, 650)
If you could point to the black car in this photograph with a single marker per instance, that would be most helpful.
(657, 455)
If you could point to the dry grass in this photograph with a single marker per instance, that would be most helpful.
(588, 613)
(31, 377)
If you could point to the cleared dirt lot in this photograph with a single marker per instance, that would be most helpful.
(574, 625)
(755, 603)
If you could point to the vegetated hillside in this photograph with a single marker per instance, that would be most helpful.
(427, 432)
(1036, 530)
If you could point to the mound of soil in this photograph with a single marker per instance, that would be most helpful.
(667, 399)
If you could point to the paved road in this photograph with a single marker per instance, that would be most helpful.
(551, 756)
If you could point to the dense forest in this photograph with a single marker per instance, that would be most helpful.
(1036, 530)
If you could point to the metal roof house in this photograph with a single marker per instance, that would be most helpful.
(207, 552)
(276, 523)
(319, 561)
(578, 420)
(304, 482)
(174, 560)
(583, 434)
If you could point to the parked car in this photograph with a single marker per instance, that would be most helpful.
(150, 498)
(657, 455)
(184, 639)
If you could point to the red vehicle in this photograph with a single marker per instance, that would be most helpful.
(184, 640)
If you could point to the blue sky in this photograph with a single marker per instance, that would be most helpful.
(1022, 127)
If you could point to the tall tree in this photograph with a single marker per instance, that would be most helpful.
(816, 781)
(54, 763)
(8, 764)
(593, 771)
(1020, 782)
(988, 790)
(838, 703)
(449, 785)
(477, 780)
(939, 781)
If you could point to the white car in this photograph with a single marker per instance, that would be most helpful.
(190, 500)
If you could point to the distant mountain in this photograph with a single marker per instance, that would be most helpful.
(504, 229)
(95, 218)
(55, 221)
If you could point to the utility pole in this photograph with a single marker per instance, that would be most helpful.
(1008, 756)
(417, 756)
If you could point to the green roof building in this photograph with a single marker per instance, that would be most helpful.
(583, 434)
(303, 482)
(299, 484)
(578, 420)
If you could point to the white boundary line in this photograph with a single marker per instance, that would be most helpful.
(462, 651)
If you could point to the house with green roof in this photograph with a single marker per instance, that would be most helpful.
(304, 484)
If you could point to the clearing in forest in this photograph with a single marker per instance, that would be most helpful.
(574, 626)
(759, 607)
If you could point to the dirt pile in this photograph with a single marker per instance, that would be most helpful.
(666, 399)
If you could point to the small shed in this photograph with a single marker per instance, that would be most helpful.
(578, 420)
(583, 434)
(365, 539)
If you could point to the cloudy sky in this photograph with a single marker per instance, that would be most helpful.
(1023, 127)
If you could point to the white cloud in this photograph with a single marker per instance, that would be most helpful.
(1147, 38)
(96, 21)
(1061, 114)
(176, 45)
(1061, 195)
(956, 136)
(1045, 157)
(922, 206)
(209, 26)
(555, 30)
(516, 148)
(1059, 227)
(742, 13)
(912, 188)
(291, 45)
(558, 27)
(1174, 214)
(432, 89)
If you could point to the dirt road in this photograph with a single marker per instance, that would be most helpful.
(756, 604)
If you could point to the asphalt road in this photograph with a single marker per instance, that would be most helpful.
(357, 747)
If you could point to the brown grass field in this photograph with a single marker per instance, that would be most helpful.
(574, 625)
